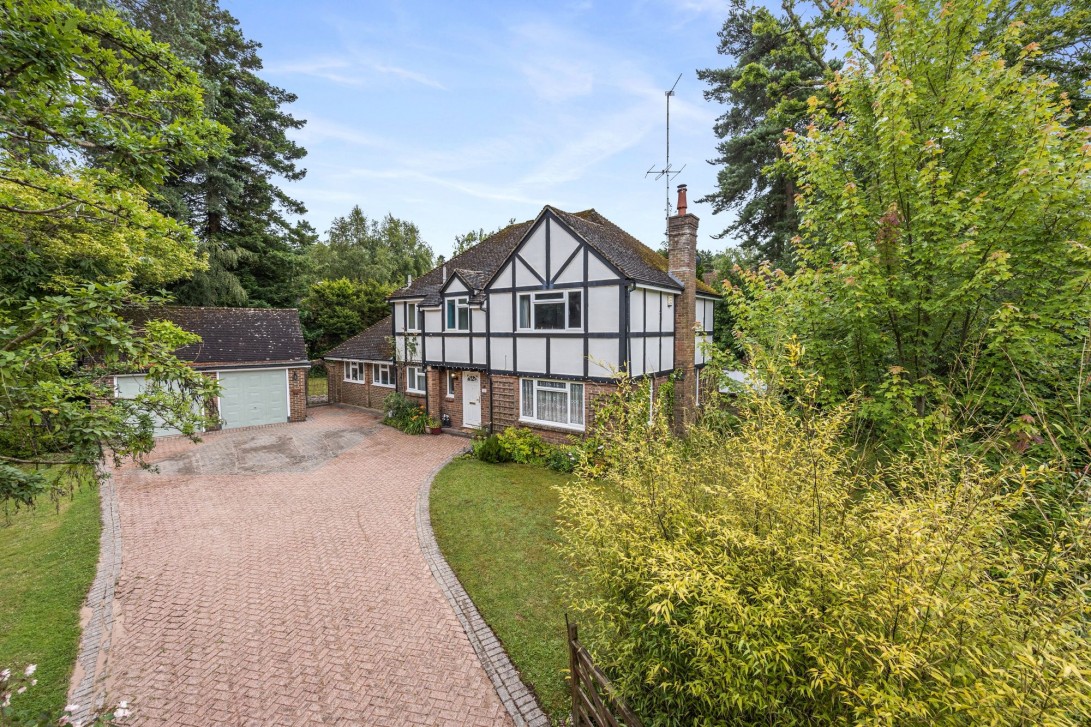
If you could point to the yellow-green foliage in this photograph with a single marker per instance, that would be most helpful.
(757, 573)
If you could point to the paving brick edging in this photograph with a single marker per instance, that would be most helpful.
(517, 698)
(89, 680)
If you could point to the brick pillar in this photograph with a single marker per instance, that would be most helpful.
(434, 377)
(682, 254)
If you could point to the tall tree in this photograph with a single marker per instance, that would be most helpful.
(334, 310)
(778, 65)
(780, 61)
(92, 113)
(233, 200)
(362, 249)
(471, 238)
(946, 214)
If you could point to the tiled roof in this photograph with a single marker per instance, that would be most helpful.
(234, 336)
(481, 262)
(371, 345)
(485, 257)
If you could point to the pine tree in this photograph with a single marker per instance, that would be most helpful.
(232, 201)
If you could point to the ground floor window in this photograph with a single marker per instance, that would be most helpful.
(380, 375)
(451, 378)
(552, 402)
(354, 371)
(416, 380)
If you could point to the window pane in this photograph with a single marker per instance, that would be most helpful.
(553, 406)
(411, 316)
(576, 405)
(422, 381)
(450, 384)
(524, 311)
(549, 296)
(575, 315)
(463, 318)
(548, 316)
(528, 398)
(450, 314)
(552, 385)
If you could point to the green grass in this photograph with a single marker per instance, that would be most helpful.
(47, 563)
(317, 385)
(496, 527)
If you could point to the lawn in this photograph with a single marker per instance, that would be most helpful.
(317, 385)
(47, 563)
(496, 527)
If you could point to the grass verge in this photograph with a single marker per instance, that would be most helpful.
(47, 563)
(496, 526)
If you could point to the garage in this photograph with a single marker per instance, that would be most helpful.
(250, 398)
(257, 354)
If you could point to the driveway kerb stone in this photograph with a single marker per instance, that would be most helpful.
(517, 698)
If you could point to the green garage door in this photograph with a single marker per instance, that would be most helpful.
(249, 398)
(128, 387)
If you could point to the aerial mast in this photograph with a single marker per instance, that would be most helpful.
(666, 173)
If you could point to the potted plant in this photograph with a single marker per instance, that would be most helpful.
(433, 426)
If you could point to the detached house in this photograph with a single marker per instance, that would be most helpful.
(528, 326)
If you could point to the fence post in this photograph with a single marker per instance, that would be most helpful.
(573, 673)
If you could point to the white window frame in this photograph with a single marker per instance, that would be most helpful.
(377, 369)
(534, 303)
(457, 305)
(537, 385)
(414, 318)
(354, 372)
(451, 378)
(413, 375)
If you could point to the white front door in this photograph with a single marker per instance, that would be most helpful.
(471, 399)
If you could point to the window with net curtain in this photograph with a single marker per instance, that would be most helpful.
(552, 402)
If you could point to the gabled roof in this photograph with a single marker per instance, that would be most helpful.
(480, 263)
(371, 345)
(234, 336)
(485, 257)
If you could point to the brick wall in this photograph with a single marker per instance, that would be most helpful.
(357, 393)
(297, 394)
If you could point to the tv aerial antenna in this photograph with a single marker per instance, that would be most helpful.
(666, 173)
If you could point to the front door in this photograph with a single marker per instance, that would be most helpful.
(471, 399)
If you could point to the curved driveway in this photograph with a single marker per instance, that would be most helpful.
(272, 576)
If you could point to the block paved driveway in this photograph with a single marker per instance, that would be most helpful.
(272, 576)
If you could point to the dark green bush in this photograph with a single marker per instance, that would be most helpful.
(562, 458)
(489, 449)
(523, 446)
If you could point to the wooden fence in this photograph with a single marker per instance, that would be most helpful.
(595, 703)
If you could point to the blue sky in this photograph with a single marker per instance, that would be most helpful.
(457, 116)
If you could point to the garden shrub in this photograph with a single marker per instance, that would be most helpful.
(758, 574)
(562, 458)
(405, 414)
(489, 449)
(522, 445)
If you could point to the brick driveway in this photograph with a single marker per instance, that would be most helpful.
(273, 576)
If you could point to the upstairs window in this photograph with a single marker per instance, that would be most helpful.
(551, 311)
(458, 314)
(414, 318)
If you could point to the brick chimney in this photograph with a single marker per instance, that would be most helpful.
(682, 255)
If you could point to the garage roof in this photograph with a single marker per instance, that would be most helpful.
(235, 337)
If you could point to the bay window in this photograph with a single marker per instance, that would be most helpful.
(554, 310)
(458, 314)
(416, 380)
(557, 403)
